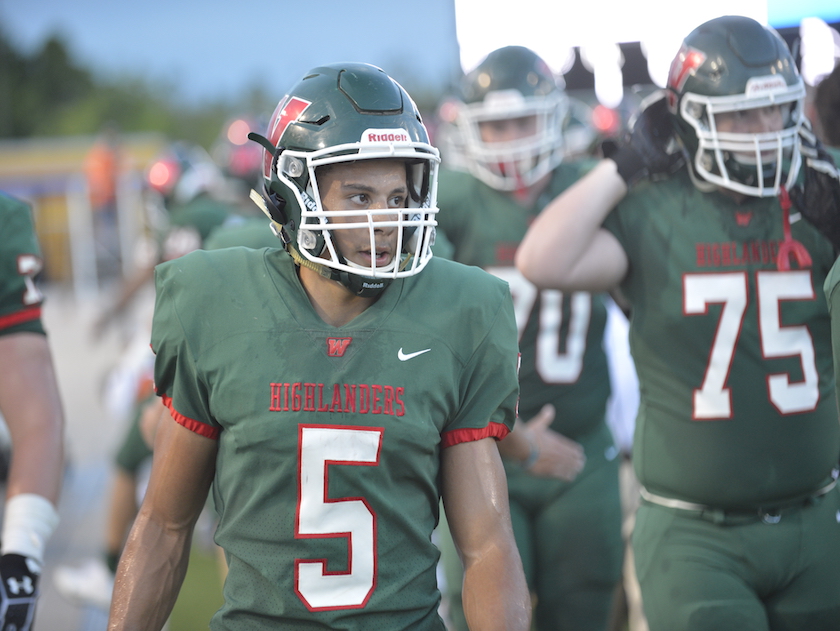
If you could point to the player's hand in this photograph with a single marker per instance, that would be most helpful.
(18, 592)
(819, 199)
(558, 456)
(650, 150)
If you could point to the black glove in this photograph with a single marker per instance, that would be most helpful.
(650, 150)
(819, 199)
(18, 592)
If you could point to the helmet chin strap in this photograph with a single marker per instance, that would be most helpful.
(302, 261)
(363, 286)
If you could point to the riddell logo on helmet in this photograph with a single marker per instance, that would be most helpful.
(385, 135)
(763, 85)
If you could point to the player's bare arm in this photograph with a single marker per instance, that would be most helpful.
(475, 498)
(154, 562)
(566, 248)
(30, 403)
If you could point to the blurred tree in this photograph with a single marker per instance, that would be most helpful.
(49, 94)
(11, 66)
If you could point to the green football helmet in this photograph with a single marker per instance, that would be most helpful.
(732, 64)
(512, 82)
(345, 113)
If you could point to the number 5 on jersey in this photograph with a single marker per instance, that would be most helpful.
(319, 516)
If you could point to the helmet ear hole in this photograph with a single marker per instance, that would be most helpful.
(275, 205)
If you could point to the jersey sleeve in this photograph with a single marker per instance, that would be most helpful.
(489, 382)
(176, 378)
(20, 262)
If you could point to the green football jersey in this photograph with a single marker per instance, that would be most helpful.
(20, 262)
(327, 477)
(560, 334)
(733, 355)
(251, 232)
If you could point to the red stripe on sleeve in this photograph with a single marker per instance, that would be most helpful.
(25, 315)
(456, 436)
(203, 429)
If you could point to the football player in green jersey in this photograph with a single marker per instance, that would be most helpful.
(333, 392)
(737, 438)
(31, 406)
(511, 118)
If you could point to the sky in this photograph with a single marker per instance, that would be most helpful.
(212, 49)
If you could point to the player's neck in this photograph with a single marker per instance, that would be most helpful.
(332, 301)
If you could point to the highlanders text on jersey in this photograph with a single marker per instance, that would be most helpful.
(740, 411)
(330, 438)
(20, 262)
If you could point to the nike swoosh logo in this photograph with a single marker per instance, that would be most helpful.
(405, 357)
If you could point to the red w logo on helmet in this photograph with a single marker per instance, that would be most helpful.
(685, 63)
(287, 111)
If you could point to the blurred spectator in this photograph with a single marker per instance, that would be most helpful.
(102, 169)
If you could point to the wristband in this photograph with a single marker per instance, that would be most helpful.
(27, 525)
(533, 455)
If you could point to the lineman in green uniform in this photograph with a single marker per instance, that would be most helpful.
(737, 438)
(31, 407)
(333, 392)
(511, 133)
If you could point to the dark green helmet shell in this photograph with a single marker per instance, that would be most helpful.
(509, 68)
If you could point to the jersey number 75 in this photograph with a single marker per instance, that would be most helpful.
(712, 400)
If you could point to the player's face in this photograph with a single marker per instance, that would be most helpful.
(758, 120)
(364, 186)
(508, 129)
